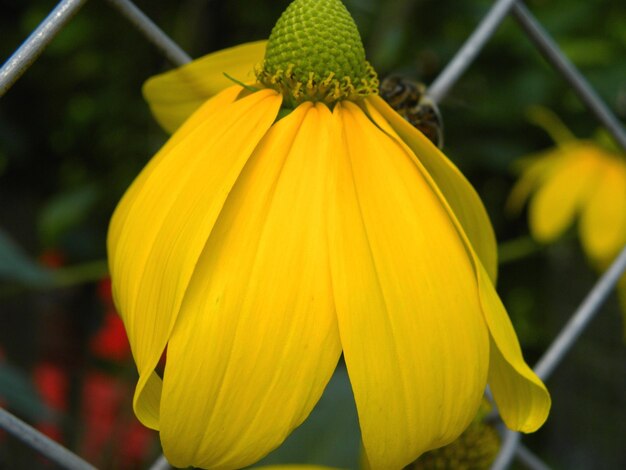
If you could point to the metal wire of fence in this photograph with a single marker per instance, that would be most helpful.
(34, 45)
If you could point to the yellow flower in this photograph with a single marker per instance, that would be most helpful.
(576, 178)
(273, 233)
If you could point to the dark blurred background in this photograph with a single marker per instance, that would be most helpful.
(75, 131)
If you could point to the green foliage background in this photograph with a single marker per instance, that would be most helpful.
(74, 131)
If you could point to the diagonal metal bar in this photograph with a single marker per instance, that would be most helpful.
(510, 445)
(470, 49)
(43, 444)
(581, 318)
(161, 464)
(529, 459)
(30, 49)
(561, 63)
(564, 342)
(151, 31)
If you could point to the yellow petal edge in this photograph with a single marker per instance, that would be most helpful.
(522, 398)
(414, 340)
(459, 193)
(174, 95)
(186, 180)
(256, 334)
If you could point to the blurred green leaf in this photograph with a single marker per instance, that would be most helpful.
(606, 140)
(18, 393)
(588, 51)
(65, 211)
(16, 266)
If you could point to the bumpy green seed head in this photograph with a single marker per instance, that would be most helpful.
(315, 53)
(475, 449)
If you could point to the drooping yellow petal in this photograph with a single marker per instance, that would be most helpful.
(410, 320)
(458, 192)
(556, 202)
(173, 96)
(163, 221)
(603, 220)
(257, 333)
(529, 407)
(522, 398)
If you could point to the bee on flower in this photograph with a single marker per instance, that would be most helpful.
(293, 218)
(579, 180)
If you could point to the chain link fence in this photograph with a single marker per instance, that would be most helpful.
(512, 446)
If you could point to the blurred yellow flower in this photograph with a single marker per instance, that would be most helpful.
(576, 179)
(266, 238)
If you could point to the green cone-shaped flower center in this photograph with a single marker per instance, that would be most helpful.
(315, 53)
(475, 449)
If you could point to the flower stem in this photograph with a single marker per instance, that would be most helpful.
(80, 273)
(63, 277)
(517, 248)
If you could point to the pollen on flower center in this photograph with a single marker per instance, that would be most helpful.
(315, 53)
